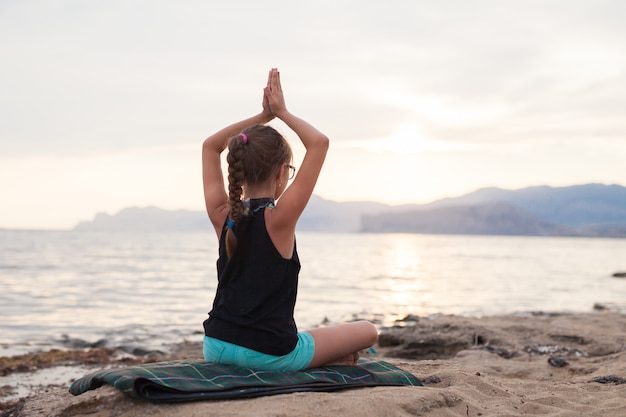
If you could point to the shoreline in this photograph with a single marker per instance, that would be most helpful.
(516, 364)
(142, 343)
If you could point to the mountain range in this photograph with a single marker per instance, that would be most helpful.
(579, 210)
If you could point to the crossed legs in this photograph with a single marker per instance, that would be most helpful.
(341, 344)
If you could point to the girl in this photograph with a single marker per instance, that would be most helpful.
(251, 323)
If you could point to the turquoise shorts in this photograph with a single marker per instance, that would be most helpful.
(218, 351)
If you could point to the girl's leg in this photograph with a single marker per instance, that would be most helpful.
(337, 344)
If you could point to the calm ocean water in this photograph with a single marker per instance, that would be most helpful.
(150, 289)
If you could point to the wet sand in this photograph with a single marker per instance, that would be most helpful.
(512, 365)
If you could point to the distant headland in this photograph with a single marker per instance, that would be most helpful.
(593, 210)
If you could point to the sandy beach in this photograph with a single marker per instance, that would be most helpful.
(512, 365)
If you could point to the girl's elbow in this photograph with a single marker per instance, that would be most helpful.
(324, 142)
(209, 147)
(206, 144)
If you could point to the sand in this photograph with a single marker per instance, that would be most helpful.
(513, 365)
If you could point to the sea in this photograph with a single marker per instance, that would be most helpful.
(131, 290)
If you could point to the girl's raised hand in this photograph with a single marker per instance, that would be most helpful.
(274, 93)
(267, 114)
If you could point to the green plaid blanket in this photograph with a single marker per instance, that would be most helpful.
(190, 380)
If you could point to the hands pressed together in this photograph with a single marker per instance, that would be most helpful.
(273, 98)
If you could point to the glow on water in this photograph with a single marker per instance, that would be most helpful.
(153, 288)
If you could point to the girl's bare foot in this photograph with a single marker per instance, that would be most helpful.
(350, 359)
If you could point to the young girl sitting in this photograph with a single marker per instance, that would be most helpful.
(251, 323)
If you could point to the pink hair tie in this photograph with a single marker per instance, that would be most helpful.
(244, 138)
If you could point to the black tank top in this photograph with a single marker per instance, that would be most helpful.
(256, 291)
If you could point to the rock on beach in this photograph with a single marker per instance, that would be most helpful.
(511, 365)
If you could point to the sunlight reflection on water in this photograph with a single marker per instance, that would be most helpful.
(158, 287)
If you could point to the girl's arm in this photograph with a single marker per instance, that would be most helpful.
(215, 195)
(296, 196)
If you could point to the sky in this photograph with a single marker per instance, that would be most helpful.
(104, 105)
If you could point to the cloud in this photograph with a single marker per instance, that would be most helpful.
(105, 75)
(482, 80)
